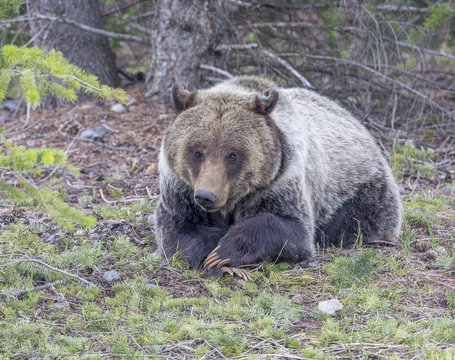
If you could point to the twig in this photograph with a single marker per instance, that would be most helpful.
(18, 294)
(236, 46)
(217, 70)
(425, 50)
(42, 263)
(149, 193)
(288, 66)
(141, 28)
(384, 76)
(397, 8)
(75, 24)
(119, 9)
(104, 198)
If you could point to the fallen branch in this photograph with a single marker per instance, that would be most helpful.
(18, 294)
(42, 263)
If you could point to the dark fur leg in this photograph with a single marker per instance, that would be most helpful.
(193, 242)
(260, 238)
(373, 212)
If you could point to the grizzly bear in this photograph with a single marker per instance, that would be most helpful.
(250, 172)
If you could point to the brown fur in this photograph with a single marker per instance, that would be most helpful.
(215, 128)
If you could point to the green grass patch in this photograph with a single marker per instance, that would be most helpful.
(410, 160)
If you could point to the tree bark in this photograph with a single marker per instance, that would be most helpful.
(90, 52)
(185, 35)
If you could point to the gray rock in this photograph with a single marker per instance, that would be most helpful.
(61, 305)
(96, 133)
(118, 108)
(132, 101)
(113, 224)
(313, 264)
(10, 105)
(330, 307)
(441, 250)
(111, 276)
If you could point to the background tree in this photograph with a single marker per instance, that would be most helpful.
(184, 39)
(88, 50)
(389, 62)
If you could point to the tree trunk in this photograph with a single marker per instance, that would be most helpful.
(90, 52)
(185, 35)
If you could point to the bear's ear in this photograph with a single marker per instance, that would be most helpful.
(266, 102)
(182, 98)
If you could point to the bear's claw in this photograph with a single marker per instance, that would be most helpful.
(244, 274)
(212, 260)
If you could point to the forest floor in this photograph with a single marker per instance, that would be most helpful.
(105, 296)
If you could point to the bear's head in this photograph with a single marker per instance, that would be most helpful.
(223, 144)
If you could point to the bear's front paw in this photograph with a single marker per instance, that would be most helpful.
(215, 264)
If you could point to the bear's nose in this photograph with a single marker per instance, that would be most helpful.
(206, 199)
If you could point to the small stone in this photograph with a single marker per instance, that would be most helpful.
(330, 307)
(113, 224)
(132, 101)
(60, 305)
(401, 189)
(313, 264)
(96, 133)
(111, 276)
(162, 118)
(45, 236)
(431, 254)
(118, 108)
(299, 299)
(151, 219)
(441, 250)
(86, 107)
(52, 239)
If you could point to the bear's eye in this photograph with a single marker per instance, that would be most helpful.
(231, 157)
(197, 155)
